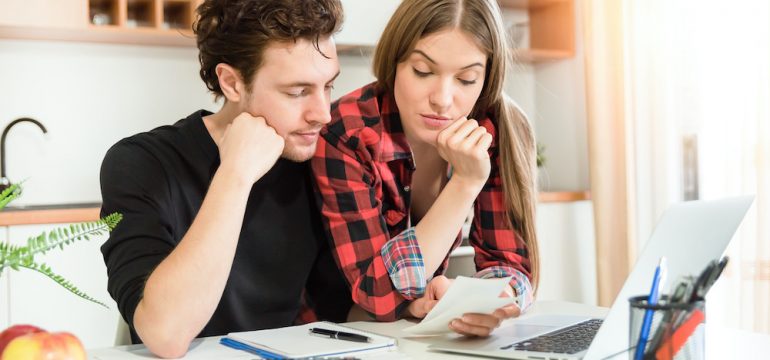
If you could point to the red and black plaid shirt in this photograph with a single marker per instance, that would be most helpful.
(363, 168)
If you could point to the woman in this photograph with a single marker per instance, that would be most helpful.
(405, 159)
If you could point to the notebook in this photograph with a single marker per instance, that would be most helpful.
(297, 342)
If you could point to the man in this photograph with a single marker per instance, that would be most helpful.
(219, 232)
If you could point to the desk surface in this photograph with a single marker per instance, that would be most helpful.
(720, 343)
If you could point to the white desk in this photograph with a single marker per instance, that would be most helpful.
(720, 343)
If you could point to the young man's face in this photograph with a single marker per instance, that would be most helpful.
(292, 90)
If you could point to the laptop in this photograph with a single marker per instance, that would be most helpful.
(689, 235)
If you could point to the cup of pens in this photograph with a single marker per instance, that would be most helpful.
(672, 326)
(675, 332)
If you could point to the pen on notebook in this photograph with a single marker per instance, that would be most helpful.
(341, 335)
(657, 279)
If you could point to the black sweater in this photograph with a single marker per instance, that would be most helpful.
(158, 181)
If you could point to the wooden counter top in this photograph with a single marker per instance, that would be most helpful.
(70, 213)
(49, 214)
(564, 196)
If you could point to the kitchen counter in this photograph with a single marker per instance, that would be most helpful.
(49, 214)
(69, 213)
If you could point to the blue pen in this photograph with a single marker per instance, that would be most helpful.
(657, 279)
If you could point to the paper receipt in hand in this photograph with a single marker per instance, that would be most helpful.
(465, 295)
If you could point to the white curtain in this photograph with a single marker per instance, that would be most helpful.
(699, 70)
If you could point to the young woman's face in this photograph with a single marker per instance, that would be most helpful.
(439, 82)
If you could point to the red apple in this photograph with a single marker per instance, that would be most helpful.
(44, 345)
(15, 331)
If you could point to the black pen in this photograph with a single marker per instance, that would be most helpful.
(341, 335)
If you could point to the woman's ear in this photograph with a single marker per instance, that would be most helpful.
(231, 82)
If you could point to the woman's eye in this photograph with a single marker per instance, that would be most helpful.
(420, 73)
(467, 82)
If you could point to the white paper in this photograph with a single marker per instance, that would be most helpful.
(297, 342)
(465, 295)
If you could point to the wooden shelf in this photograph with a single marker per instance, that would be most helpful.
(540, 55)
(551, 29)
(563, 196)
(529, 4)
(138, 22)
(56, 214)
(52, 216)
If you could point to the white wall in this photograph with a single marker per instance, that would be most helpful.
(91, 95)
(553, 96)
(88, 96)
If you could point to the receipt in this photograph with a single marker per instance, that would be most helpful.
(465, 295)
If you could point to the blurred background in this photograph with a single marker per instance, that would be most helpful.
(636, 105)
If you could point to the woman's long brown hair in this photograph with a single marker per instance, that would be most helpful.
(482, 20)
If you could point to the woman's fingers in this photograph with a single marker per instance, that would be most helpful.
(507, 312)
(484, 142)
(476, 325)
(461, 133)
(448, 131)
(420, 307)
(472, 140)
(483, 320)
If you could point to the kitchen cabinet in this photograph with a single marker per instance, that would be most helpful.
(34, 299)
(158, 22)
(168, 22)
(142, 22)
(551, 29)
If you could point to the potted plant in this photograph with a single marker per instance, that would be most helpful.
(29, 341)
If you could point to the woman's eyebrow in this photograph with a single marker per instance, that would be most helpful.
(420, 52)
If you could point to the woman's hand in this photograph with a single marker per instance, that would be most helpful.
(470, 324)
(482, 325)
(464, 144)
(434, 291)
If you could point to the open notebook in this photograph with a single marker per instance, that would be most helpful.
(297, 342)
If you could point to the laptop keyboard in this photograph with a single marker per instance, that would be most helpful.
(569, 340)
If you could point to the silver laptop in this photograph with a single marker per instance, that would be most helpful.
(689, 234)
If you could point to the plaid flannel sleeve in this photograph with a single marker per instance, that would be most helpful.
(352, 216)
(405, 265)
(500, 250)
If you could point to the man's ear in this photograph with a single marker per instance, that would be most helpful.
(231, 82)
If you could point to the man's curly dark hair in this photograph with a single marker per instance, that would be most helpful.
(236, 32)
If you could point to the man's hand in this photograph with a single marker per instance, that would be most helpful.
(250, 147)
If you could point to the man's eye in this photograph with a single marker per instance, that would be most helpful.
(296, 94)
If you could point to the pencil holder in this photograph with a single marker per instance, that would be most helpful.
(676, 330)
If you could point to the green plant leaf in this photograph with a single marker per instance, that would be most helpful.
(45, 270)
(16, 257)
(9, 194)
